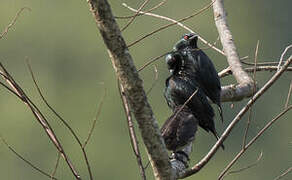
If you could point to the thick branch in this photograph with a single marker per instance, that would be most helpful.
(245, 82)
(133, 87)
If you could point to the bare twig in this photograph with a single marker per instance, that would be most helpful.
(227, 131)
(289, 94)
(60, 118)
(26, 161)
(268, 125)
(284, 174)
(140, 14)
(247, 167)
(13, 21)
(268, 63)
(227, 71)
(133, 88)
(39, 117)
(135, 15)
(185, 103)
(95, 119)
(56, 166)
(171, 24)
(179, 24)
(154, 81)
(134, 141)
(254, 90)
(282, 55)
(151, 61)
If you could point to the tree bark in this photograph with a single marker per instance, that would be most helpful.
(133, 88)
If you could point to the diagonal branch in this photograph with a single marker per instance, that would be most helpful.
(132, 132)
(243, 150)
(245, 86)
(25, 160)
(238, 117)
(133, 87)
(13, 21)
(61, 119)
(135, 15)
(178, 23)
(17, 90)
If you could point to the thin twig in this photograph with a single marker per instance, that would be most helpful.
(151, 61)
(282, 55)
(284, 174)
(154, 81)
(289, 94)
(254, 90)
(238, 117)
(268, 63)
(267, 126)
(173, 23)
(95, 119)
(247, 167)
(13, 21)
(56, 165)
(39, 117)
(26, 161)
(181, 108)
(134, 141)
(179, 24)
(149, 10)
(226, 72)
(60, 118)
(135, 15)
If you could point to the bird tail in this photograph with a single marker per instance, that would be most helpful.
(220, 112)
(217, 137)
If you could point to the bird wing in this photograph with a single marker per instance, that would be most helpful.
(187, 128)
(180, 90)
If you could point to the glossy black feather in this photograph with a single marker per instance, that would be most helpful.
(181, 85)
(201, 67)
(179, 129)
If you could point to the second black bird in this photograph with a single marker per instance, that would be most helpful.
(179, 88)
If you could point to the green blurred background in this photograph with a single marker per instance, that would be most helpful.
(73, 69)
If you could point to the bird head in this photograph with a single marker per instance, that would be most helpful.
(174, 61)
(188, 40)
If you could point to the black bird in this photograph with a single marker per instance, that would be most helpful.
(181, 85)
(201, 68)
(179, 129)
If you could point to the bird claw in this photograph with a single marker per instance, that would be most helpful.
(181, 156)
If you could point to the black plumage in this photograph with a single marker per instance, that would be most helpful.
(179, 129)
(201, 68)
(181, 85)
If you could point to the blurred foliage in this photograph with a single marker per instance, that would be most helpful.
(72, 67)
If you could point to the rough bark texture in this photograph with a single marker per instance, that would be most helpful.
(133, 87)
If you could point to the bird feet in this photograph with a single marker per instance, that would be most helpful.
(181, 156)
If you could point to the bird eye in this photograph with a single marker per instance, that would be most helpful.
(186, 37)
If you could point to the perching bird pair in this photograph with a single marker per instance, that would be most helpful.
(192, 74)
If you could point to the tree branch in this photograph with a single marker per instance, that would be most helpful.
(178, 23)
(238, 117)
(133, 87)
(17, 90)
(132, 133)
(243, 150)
(245, 82)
